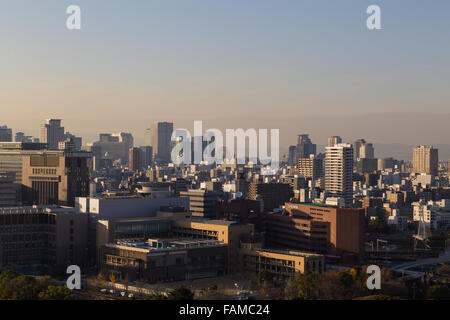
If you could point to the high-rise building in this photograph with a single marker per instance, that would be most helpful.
(5, 134)
(311, 167)
(202, 203)
(125, 138)
(305, 147)
(112, 145)
(425, 160)
(8, 190)
(366, 151)
(55, 177)
(21, 137)
(292, 155)
(77, 141)
(147, 156)
(135, 159)
(341, 229)
(334, 140)
(50, 236)
(272, 195)
(357, 147)
(339, 172)
(52, 133)
(159, 136)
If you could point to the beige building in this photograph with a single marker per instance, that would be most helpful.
(55, 178)
(229, 232)
(310, 168)
(425, 160)
(282, 264)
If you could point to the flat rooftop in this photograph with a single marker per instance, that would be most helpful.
(164, 244)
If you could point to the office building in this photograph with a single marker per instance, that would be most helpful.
(135, 159)
(273, 195)
(9, 191)
(52, 133)
(157, 260)
(311, 167)
(55, 178)
(425, 160)
(147, 156)
(228, 232)
(292, 155)
(280, 264)
(5, 134)
(112, 145)
(334, 140)
(317, 228)
(202, 202)
(339, 172)
(42, 236)
(159, 137)
(305, 148)
(366, 151)
(21, 137)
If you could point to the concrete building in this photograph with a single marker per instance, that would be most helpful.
(202, 202)
(159, 137)
(310, 167)
(147, 156)
(273, 195)
(102, 208)
(366, 151)
(9, 192)
(334, 140)
(157, 260)
(5, 134)
(113, 146)
(339, 172)
(21, 137)
(42, 236)
(357, 147)
(55, 178)
(52, 133)
(305, 148)
(425, 160)
(135, 159)
(281, 264)
(228, 232)
(317, 228)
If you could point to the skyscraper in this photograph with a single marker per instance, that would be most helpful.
(147, 156)
(135, 159)
(366, 151)
(339, 172)
(425, 160)
(5, 134)
(305, 147)
(334, 140)
(160, 135)
(356, 147)
(52, 133)
(292, 155)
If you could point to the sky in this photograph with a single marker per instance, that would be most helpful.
(299, 66)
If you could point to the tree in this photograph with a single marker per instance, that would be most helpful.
(181, 293)
(55, 293)
(438, 292)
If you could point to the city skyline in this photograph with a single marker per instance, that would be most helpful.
(315, 63)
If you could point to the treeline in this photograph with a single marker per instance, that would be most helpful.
(345, 285)
(15, 286)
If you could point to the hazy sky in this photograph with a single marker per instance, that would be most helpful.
(300, 66)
